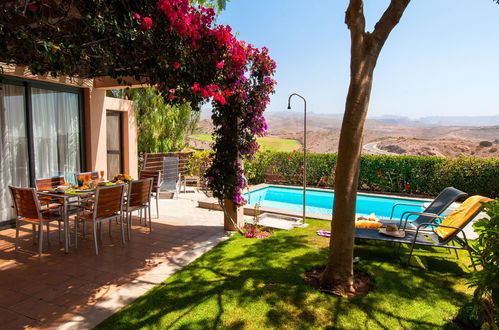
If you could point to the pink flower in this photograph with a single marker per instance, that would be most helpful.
(33, 8)
(176, 65)
(172, 90)
(146, 24)
(196, 88)
(406, 187)
(379, 173)
(171, 96)
(220, 65)
(205, 93)
(137, 16)
(220, 99)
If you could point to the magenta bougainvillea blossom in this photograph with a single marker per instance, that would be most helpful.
(239, 94)
(169, 44)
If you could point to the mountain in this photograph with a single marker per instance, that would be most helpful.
(440, 120)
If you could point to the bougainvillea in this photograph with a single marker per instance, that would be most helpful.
(168, 44)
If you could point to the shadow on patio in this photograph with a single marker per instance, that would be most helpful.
(51, 290)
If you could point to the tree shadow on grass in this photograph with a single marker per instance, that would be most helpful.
(257, 283)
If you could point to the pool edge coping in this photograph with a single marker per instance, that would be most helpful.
(212, 203)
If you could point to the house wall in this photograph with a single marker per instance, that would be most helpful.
(96, 131)
(95, 104)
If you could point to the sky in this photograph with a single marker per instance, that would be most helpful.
(442, 59)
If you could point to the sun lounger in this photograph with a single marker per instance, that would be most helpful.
(433, 234)
(446, 197)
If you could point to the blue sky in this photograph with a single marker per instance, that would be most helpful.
(442, 59)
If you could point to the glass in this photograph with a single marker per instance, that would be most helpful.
(56, 133)
(13, 145)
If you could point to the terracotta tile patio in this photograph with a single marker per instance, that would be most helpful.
(48, 292)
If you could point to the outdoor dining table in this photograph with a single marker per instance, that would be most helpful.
(68, 199)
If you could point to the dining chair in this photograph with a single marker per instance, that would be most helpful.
(156, 184)
(28, 210)
(51, 205)
(138, 199)
(108, 205)
(49, 184)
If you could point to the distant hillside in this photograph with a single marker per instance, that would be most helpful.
(387, 134)
(440, 120)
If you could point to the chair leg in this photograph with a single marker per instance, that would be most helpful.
(76, 232)
(110, 229)
(60, 237)
(17, 235)
(48, 233)
(122, 230)
(100, 230)
(40, 239)
(157, 204)
(455, 250)
(95, 239)
(410, 253)
(129, 225)
(33, 227)
(140, 216)
(150, 220)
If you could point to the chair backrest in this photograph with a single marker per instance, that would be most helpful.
(25, 202)
(461, 216)
(446, 197)
(139, 192)
(49, 183)
(87, 176)
(154, 174)
(108, 201)
(170, 173)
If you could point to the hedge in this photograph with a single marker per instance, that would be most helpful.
(392, 174)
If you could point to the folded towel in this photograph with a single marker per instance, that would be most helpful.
(325, 233)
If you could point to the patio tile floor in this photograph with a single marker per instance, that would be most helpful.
(80, 289)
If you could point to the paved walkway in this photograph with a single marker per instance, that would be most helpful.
(79, 290)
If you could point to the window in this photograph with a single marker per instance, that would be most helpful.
(41, 134)
(56, 133)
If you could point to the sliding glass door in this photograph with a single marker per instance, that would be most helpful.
(13, 144)
(40, 135)
(56, 133)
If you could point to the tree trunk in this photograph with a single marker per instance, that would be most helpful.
(337, 278)
(338, 275)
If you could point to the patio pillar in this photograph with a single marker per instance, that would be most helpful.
(234, 212)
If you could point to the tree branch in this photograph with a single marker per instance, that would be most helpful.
(355, 20)
(387, 22)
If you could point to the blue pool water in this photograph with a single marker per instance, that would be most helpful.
(319, 201)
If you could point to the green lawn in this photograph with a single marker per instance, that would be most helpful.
(256, 284)
(266, 143)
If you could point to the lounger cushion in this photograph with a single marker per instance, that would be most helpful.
(461, 215)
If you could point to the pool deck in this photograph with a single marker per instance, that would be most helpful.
(212, 204)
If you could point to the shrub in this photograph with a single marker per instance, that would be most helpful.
(485, 254)
(485, 144)
(198, 162)
(470, 174)
(422, 175)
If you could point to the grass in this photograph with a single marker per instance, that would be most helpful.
(266, 143)
(256, 284)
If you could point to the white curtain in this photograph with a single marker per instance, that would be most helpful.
(56, 133)
(13, 145)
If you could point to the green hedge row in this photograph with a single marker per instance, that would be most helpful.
(395, 174)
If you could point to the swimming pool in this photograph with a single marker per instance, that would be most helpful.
(321, 201)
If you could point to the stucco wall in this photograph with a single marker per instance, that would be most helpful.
(96, 131)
